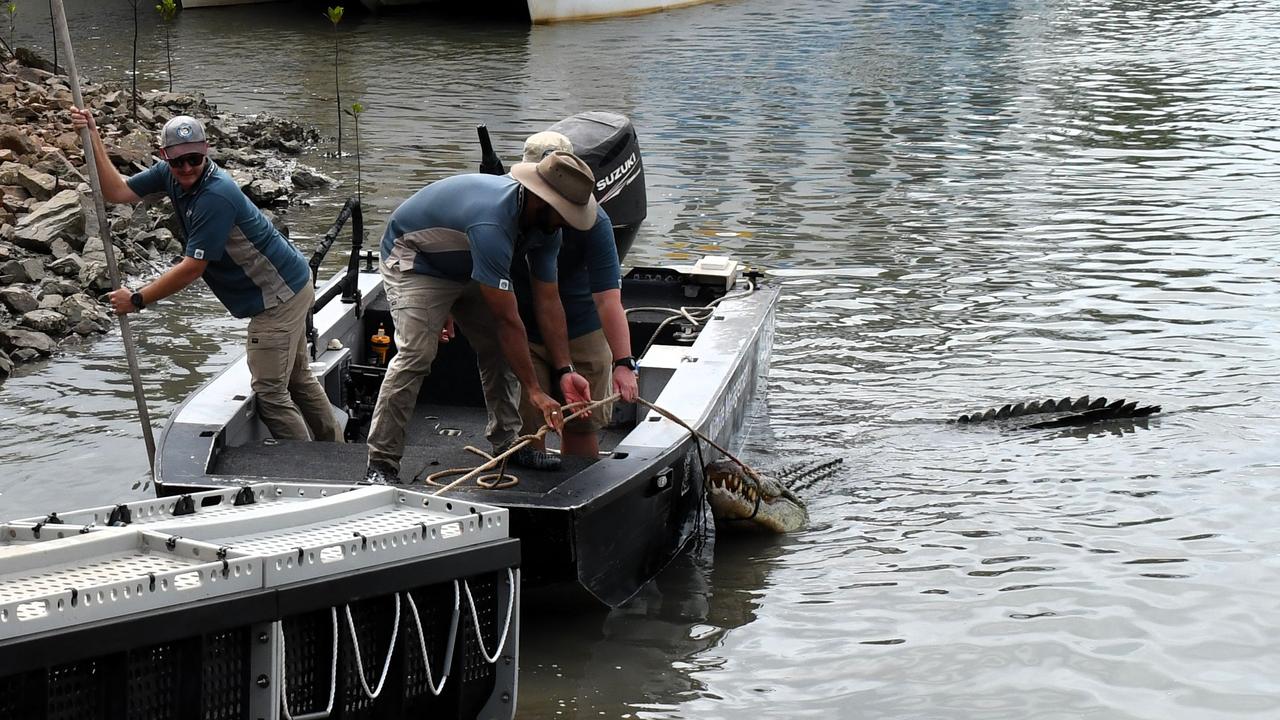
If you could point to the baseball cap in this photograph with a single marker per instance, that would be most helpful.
(183, 135)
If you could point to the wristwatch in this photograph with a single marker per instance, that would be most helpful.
(137, 301)
(628, 362)
(562, 371)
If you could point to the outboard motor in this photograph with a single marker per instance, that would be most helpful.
(607, 143)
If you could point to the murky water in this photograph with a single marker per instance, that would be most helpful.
(969, 203)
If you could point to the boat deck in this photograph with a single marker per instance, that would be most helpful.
(436, 440)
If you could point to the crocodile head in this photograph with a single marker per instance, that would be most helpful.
(742, 499)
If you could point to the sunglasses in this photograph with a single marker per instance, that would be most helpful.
(191, 160)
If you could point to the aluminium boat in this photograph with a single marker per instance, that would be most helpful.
(702, 333)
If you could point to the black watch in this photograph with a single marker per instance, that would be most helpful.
(627, 362)
(562, 371)
(136, 299)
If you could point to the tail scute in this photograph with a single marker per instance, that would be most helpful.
(1079, 411)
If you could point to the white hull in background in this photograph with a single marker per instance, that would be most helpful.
(190, 4)
(547, 11)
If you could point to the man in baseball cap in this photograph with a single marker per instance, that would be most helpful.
(183, 135)
(245, 261)
(448, 251)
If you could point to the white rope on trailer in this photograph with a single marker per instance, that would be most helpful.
(511, 601)
(333, 675)
(391, 648)
(422, 640)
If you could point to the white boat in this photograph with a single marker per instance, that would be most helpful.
(190, 4)
(550, 11)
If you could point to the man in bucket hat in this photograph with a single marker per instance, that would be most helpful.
(245, 261)
(589, 275)
(447, 251)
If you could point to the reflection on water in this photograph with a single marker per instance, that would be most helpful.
(968, 204)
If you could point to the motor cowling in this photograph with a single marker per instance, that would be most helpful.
(607, 142)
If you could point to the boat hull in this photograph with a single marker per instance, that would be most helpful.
(607, 526)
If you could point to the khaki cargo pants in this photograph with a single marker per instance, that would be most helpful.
(290, 399)
(420, 304)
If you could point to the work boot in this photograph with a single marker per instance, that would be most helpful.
(535, 459)
(381, 473)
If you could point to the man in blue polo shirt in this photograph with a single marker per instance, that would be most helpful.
(596, 322)
(447, 250)
(243, 259)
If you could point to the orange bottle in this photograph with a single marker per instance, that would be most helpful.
(380, 345)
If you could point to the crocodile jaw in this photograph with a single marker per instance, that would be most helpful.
(738, 501)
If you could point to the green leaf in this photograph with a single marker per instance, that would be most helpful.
(335, 15)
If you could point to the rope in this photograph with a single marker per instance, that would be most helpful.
(502, 641)
(666, 414)
(391, 647)
(284, 678)
(422, 641)
(573, 410)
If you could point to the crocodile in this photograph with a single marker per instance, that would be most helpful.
(1067, 412)
(742, 498)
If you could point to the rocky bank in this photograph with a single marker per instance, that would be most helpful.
(52, 262)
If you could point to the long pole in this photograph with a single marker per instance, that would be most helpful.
(104, 228)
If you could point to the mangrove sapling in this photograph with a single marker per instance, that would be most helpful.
(53, 29)
(168, 9)
(354, 112)
(11, 8)
(335, 16)
(133, 96)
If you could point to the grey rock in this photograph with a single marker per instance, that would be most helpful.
(57, 286)
(40, 184)
(81, 308)
(265, 192)
(133, 149)
(9, 172)
(18, 300)
(26, 355)
(94, 277)
(49, 322)
(61, 216)
(14, 139)
(60, 248)
(71, 266)
(21, 271)
(6, 365)
(50, 302)
(14, 340)
(307, 179)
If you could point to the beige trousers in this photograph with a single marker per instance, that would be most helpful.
(290, 399)
(592, 358)
(420, 304)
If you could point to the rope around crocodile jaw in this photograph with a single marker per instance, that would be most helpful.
(502, 479)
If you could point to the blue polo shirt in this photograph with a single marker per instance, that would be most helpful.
(587, 264)
(252, 267)
(467, 227)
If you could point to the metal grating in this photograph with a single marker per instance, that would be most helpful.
(224, 675)
(152, 682)
(111, 573)
(211, 504)
(340, 534)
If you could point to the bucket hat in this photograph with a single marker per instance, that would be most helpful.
(565, 182)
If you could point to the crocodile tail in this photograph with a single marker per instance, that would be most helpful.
(1118, 410)
(805, 474)
(1083, 409)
